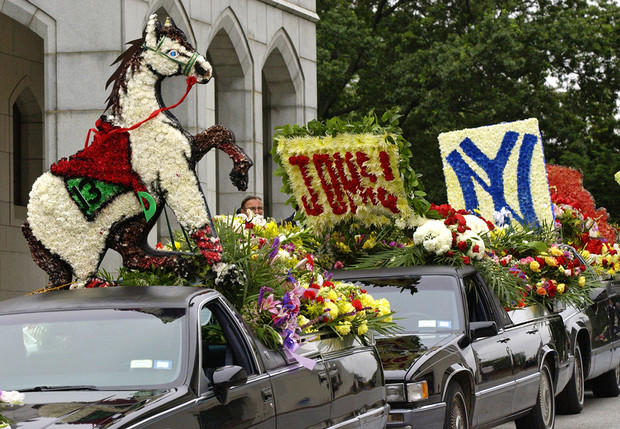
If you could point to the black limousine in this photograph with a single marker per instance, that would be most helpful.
(172, 357)
(463, 361)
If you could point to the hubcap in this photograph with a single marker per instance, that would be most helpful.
(459, 417)
(579, 377)
(546, 400)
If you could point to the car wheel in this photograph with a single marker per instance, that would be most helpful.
(607, 385)
(570, 401)
(542, 415)
(456, 410)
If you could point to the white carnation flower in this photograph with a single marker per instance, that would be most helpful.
(474, 240)
(476, 224)
(434, 236)
(12, 397)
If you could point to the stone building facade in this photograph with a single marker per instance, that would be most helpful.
(55, 59)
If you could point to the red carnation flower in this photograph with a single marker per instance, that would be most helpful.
(357, 304)
(462, 245)
(309, 294)
(466, 260)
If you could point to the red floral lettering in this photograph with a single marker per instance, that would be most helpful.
(386, 166)
(335, 201)
(301, 161)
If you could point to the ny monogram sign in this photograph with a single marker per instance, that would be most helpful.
(498, 167)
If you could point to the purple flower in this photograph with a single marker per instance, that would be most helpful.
(289, 341)
(274, 248)
(290, 278)
(261, 294)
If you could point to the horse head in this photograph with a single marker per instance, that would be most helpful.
(168, 53)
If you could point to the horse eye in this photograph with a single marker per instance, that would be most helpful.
(173, 53)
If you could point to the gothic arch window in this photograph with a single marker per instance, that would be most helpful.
(281, 91)
(27, 156)
(232, 62)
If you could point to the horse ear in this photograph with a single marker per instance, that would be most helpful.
(151, 31)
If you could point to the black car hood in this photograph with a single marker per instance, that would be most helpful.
(399, 353)
(79, 409)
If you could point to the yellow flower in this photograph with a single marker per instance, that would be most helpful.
(330, 310)
(369, 244)
(332, 295)
(343, 328)
(582, 281)
(362, 329)
(302, 320)
(343, 247)
(555, 251)
(551, 261)
(271, 229)
(585, 254)
(345, 307)
(535, 266)
(367, 300)
(560, 288)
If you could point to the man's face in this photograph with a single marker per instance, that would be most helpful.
(255, 205)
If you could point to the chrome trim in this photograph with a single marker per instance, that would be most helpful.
(168, 411)
(449, 379)
(528, 378)
(430, 407)
(355, 421)
(495, 388)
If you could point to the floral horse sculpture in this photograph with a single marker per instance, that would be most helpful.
(110, 194)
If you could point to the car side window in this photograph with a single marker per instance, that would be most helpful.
(477, 307)
(481, 306)
(222, 343)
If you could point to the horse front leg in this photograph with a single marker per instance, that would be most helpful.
(222, 138)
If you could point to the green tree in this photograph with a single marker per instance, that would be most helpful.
(458, 64)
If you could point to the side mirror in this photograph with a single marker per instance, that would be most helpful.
(225, 377)
(482, 329)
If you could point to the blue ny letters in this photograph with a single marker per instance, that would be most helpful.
(494, 169)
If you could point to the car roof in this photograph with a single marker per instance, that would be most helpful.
(109, 297)
(416, 270)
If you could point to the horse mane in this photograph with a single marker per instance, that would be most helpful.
(128, 59)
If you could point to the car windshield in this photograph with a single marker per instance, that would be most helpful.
(98, 349)
(421, 304)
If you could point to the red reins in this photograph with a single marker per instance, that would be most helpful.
(191, 81)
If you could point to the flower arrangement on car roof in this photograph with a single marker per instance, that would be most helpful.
(9, 398)
(277, 274)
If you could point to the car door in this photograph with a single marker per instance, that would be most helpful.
(493, 373)
(526, 340)
(357, 385)
(225, 342)
(302, 395)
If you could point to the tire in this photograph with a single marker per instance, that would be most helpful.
(571, 400)
(607, 385)
(542, 415)
(456, 408)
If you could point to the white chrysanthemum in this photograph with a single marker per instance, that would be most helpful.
(474, 240)
(12, 397)
(476, 224)
(434, 236)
